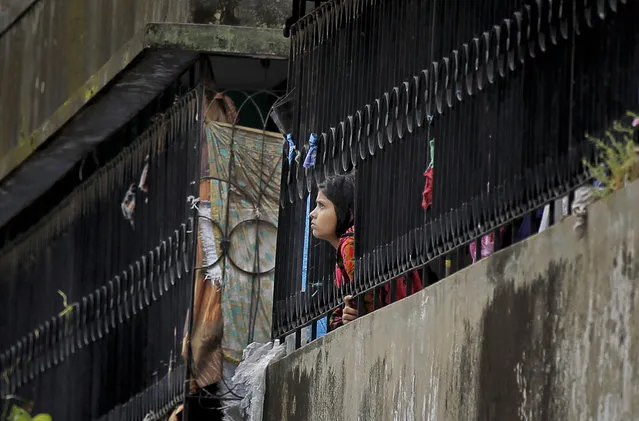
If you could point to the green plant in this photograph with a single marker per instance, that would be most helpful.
(618, 158)
(20, 414)
(66, 313)
(65, 303)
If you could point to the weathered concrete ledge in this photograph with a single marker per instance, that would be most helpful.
(219, 39)
(545, 330)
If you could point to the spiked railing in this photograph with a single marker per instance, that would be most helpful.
(506, 92)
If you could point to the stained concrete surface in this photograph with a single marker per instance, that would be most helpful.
(545, 330)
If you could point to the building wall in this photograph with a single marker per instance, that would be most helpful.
(56, 55)
(50, 52)
(259, 13)
(544, 330)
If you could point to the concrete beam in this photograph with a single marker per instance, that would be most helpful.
(218, 39)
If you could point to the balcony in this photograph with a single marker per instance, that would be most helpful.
(470, 128)
(500, 109)
(543, 329)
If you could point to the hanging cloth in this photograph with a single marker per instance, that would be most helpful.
(128, 205)
(291, 148)
(427, 195)
(143, 185)
(312, 151)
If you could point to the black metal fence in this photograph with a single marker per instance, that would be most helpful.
(155, 402)
(505, 90)
(94, 296)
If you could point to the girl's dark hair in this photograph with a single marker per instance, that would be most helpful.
(340, 190)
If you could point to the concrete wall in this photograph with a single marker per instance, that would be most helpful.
(546, 330)
(260, 13)
(52, 49)
(56, 54)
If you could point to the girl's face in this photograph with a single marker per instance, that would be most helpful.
(323, 219)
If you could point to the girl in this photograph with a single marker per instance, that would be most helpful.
(333, 220)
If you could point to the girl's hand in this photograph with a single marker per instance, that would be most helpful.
(350, 310)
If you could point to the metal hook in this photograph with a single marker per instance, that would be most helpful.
(48, 342)
(84, 325)
(41, 343)
(13, 361)
(111, 294)
(163, 260)
(134, 286)
(104, 311)
(152, 277)
(126, 282)
(143, 273)
(32, 357)
(19, 362)
(176, 258)
(170, 264)
(119, 298)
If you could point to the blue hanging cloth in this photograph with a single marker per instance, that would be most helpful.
(312, 151)
(291, 148)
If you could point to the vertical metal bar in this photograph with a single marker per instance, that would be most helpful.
(298, 338)
(571, 199)
(195, 191)
(361, 305)
(393, 290)
(498, 243)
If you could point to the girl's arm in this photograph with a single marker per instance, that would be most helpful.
(347, 256)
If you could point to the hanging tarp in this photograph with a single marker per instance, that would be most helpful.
(239, 227)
